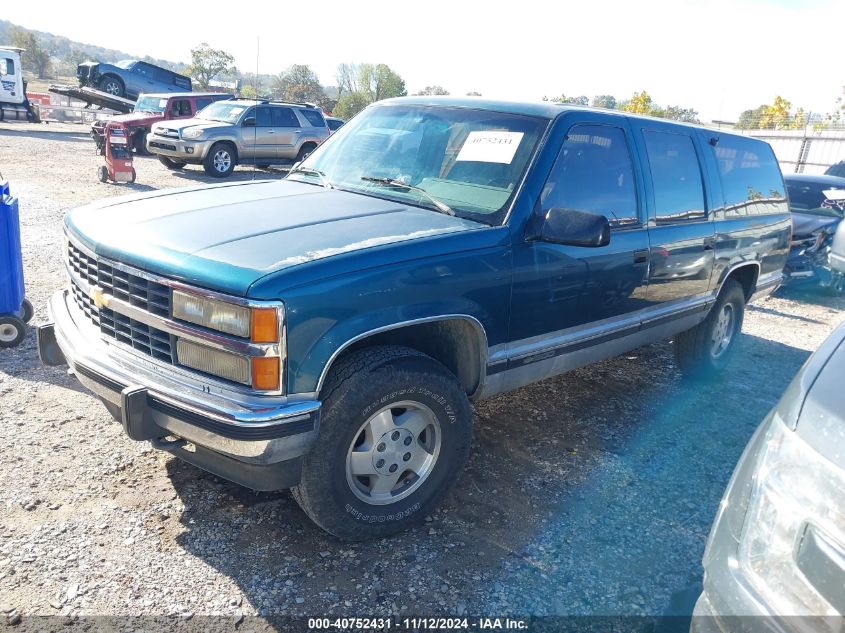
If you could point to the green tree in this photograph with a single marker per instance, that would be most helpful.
(208, 63)
(677, 113)
(298, 83)
(605, 101)
(433, 90)
(380, 81)
(248, 91)
(582, 100)
(350, 104)
(36, 56)
(750, 119)
(776, 116)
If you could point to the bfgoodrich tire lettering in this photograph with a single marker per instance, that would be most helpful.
(366, 384)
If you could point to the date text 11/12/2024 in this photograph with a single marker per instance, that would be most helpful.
(416, 624)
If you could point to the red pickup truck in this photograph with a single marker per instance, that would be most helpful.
(152, 108)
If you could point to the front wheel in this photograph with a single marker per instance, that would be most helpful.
(140, 142)
(396, 428)
(220, 160)
(27, 311)
(102, 173)
(707, 348)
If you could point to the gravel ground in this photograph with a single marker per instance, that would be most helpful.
(587, 494)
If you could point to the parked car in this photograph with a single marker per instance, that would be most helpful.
(837, 169)
(237, 132)
(817, 204)
(334, 123)
(327, 331)
(130, 78)
(153, 108)
(777, 547)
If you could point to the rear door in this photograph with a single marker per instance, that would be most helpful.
(288, 130)
(681, 228)
(563, 292)
(9, 89)
(263, 136)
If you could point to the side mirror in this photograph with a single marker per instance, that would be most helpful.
(249, 122)
(575, 228)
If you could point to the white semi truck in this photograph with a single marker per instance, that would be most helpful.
(14, 106)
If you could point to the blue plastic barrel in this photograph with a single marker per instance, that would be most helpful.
(11, 264)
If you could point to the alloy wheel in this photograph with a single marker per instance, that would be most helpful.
(723, 331)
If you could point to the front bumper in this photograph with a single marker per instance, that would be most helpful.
(188, 151)
(255, 442)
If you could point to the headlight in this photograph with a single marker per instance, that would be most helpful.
(193, 133)
(260, 325)
(795, 487)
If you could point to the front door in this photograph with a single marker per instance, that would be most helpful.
(563, 293)
(259, 141)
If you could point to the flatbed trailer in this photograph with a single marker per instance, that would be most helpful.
(94, 98)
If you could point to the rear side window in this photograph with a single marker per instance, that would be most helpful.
(313, 117)
(594, 173)
(676, 177)
(7, 66)
(284, 117)
(202, 102)
(334, 124)
(751, 178)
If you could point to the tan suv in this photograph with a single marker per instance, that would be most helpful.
(228, 133)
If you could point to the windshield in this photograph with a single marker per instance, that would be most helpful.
(156, 105)
(223, 111)
(126, 63)
(472, 161)
(816, 198)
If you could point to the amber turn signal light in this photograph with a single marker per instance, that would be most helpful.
(265, 326)
(265, 373)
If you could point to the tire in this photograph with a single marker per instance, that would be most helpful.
(837, 285)
(139, 140)
(306, 149)
(27, 311)
(370, 397)
(12, 331)
(112, 85)
(171, 164)
(103, 173)
(707, 348)
(220, 160)
(132, 177)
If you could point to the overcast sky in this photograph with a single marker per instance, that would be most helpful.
(719, 57)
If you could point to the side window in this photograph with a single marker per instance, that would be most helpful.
(202, 102)
(594, 173)
(262, 117)
(750, 176)
(7, 66)
(182, 107)
(313, 117)
(676, 175)
(284, 117)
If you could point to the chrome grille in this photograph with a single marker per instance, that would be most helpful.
(135, 290)
(138, 291)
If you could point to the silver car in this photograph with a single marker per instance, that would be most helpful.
(777, 548)
(230, 133)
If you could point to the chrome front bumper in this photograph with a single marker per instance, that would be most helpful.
(177, 148)
(249, 440)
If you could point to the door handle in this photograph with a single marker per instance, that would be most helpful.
(641, 256)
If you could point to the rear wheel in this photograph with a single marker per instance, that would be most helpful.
(103, 173)
(112, 85)
(707, 348)
(306, 149)
(132, 176)
(396, 428)
(12, 331)
(220, 160)
(172, 164)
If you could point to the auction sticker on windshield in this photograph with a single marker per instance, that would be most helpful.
(490, 147)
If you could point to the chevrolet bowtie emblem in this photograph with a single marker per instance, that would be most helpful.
(100, 300)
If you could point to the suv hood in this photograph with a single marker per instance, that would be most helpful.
(805, 224)
(181, 124)
(225, 237)
(134, 118)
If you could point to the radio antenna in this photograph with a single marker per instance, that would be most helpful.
(255, 88)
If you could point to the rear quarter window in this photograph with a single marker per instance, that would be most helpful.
(7, 66)
(313, 117)
(751, 178)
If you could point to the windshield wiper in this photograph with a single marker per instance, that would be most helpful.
(392, 182)
(316, 172)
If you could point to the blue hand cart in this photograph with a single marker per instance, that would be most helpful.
(15, 310)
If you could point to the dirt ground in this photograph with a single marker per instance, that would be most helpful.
(591, 493)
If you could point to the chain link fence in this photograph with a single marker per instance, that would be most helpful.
(808, 149)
